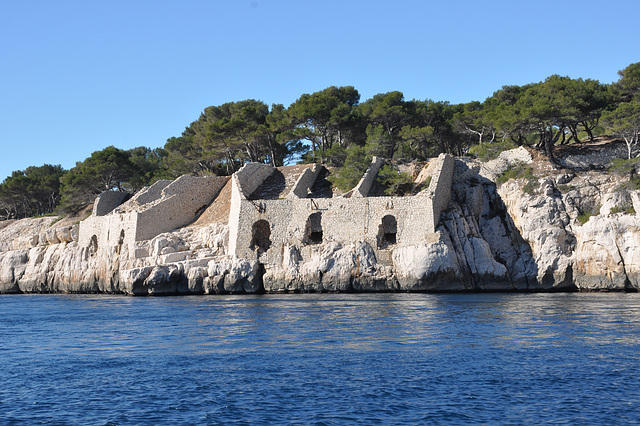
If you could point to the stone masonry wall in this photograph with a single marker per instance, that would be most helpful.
(342, 220)
(440, 186)
(176, 206)
(108, 230)
(235, 209)
(363, 187)
(598, 158)
(251, 175)
(305, 182)
(153, 193)
(107, 201)
(181, 200)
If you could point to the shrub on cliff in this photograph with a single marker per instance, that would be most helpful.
(490, 151)
(394, 181)
(355, 164)
(520, 171)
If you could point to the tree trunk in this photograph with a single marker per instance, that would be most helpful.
(589, 129)
(574, 133)
(549, 141)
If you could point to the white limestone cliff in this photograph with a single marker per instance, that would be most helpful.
(509, 238)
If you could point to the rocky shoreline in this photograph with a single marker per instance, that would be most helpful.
(524, 235)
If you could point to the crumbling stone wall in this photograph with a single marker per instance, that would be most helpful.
(153, 193)
(344, 220)
(440, 186)
(251, 175)
(305, 182)
(179, 204)
(595, 159)
(107, 201)
(161, 208)
(363, 187)
(107, 230)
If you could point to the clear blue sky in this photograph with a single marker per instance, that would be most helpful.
(78, 75)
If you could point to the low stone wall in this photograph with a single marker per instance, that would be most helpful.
(595, 159)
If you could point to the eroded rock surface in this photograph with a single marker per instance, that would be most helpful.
(521, 236)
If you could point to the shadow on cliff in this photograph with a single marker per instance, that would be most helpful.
(491, 252)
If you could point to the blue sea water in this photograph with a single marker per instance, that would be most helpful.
(320, 359)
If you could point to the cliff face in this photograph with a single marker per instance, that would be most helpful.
(526, 235)
(601, 254)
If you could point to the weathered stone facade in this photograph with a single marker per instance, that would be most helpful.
(162, 207)
(261, 229)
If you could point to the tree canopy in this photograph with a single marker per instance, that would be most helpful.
(333, 126)
(31, 192)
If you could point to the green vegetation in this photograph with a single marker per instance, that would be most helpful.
(395, 182)
(355, 164)
(623, 209)
(491, 151)
(333, 126)
(564, 188)
(520, 171)
(630, 168)
(584, 217)
(31, 192)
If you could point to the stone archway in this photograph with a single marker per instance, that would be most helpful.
(261, 236)
(387, 232)
(313, 229)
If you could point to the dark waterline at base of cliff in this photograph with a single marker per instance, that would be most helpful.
(566, 290)
(321, 358)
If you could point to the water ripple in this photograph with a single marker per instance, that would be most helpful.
(320, 359)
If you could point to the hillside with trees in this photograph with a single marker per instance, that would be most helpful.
(333, 126)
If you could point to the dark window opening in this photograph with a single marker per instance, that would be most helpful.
(313, 229)
(387, 232)
(260, 236)
(315, 237)
(120, 242)
(390, 238)
(93, 245)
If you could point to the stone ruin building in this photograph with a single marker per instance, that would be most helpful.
(268, 208)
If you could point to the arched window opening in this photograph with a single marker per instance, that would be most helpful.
(387, 232)
(93, 245)
(260, 236)
(313, 229)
